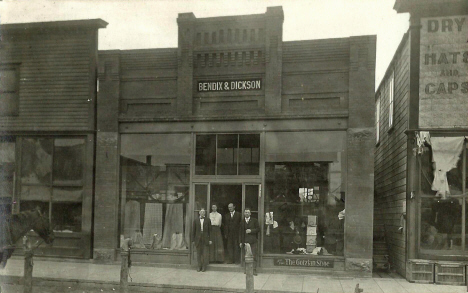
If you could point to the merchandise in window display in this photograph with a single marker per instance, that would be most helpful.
(155, 207)
(307, 213)
(156, 242)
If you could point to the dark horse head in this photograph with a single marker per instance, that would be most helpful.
(14, 227)
(42, 227)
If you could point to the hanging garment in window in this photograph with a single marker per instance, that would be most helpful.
(446, 152)
(132, 218)
(174, 222)
(153, 221)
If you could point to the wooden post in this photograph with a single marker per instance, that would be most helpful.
(125, 255)
(28, 265)
(249, 279)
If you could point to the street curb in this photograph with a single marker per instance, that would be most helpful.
(134, 287)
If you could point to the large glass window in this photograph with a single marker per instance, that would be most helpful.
(7, 173)
(155, 190)
(377, 119)
(443, 207)
(52, 179)
(9, 89)
(227, 154)
(391, 106)
(302, 204)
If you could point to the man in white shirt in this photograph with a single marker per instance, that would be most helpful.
(201, 238)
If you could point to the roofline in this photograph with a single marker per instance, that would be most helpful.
(271, 11)
(418, 6)
(142, 50)
(54, 25)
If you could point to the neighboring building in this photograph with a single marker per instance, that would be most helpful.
(234, 114)
(421, 171)
(47, 126)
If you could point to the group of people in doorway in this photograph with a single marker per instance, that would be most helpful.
(238, 230)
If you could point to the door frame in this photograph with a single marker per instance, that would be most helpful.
(243, 183)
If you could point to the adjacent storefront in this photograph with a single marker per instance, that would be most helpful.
(47, 141)
(422, 129)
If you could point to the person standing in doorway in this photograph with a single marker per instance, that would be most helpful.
(201, 239)
(248, 234)
(231, 233)
(217, 248)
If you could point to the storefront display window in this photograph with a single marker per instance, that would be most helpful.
(301, 209)
(227, 154)
(7, 173)
(52, 179)
(443, 196)
(155, 172)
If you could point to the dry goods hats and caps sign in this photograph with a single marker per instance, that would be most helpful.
(443, 78)
(230, 85)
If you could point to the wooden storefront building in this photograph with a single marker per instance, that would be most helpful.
(47, 126)
(236, 115)
(421, 151)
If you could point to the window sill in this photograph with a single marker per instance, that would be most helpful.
(337, 257)
(159, 251)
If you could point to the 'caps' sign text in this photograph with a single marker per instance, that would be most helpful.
(230, 85)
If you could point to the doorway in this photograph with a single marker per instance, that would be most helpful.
(242, 195)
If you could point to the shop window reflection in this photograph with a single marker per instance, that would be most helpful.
(442, 228)
(227, 154)
(52, 178)
(155, 191)
(301, 210)
(7, 173)
(154, 206)
(205, 157)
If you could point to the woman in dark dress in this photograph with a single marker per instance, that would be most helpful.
(217, 248)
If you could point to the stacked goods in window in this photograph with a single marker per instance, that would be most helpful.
(311, 237)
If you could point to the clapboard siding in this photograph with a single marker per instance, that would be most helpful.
(148, 80)
(391, 158)
(56, 85)
(316, 50)
(315, 75)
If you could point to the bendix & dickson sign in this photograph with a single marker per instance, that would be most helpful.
(229, 85)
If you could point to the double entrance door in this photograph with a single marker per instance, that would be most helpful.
(241, 195)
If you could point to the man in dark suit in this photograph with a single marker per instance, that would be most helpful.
(249, 229)
(231, 233)
(201, 238)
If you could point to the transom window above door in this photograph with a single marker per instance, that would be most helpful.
(227, 154)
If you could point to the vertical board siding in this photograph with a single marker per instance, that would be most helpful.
(54, 86)
(391, 160)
